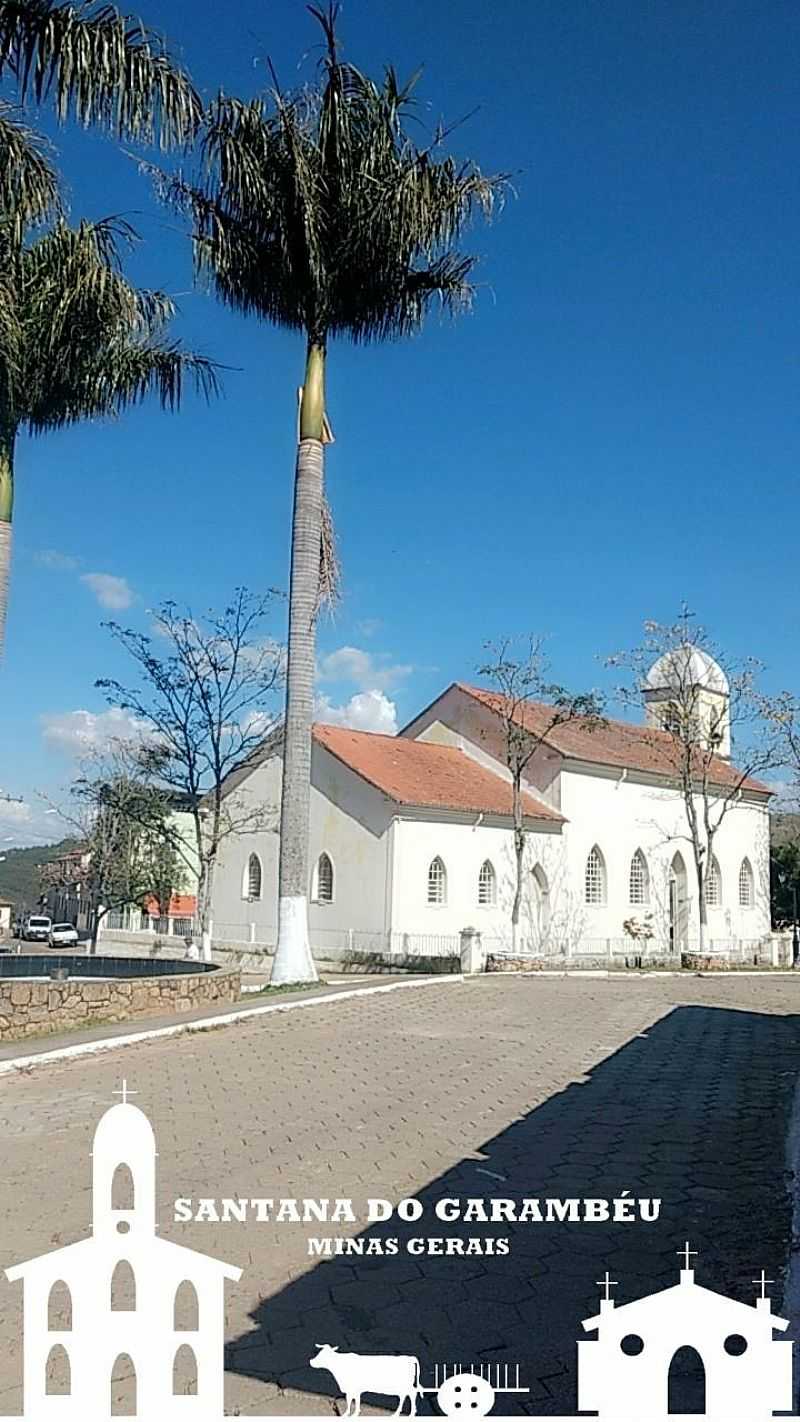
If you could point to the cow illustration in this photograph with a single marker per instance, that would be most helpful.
(391, 1375)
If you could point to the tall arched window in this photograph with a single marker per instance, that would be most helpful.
(57, 1373)
(323, 880)
(437, 882)
(186, 1310)
(184, 1372)
(59, 1308)
(541, 902)
(713, 884)
(122, 1194)
(253, 878)
(594, 891)
(639, 881)
(746, 894)
(487, 884)
(123, 1287)
(123, 1387)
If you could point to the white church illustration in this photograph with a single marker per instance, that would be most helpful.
(624, 1373)
(171, 1321)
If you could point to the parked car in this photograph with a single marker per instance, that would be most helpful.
(36, 928)
(63, 935)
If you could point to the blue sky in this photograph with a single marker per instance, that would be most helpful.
(613, 430)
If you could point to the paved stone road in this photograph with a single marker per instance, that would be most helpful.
(500, 1087)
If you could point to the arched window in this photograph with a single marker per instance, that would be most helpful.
(487, 884)
(253, 878)
(323, 880)
(639, 891)
(594, 891)
(186, 1313)
(57, 1373)
(122, 1196)
(437, 882)
(184, 1372)
(123, 1387)
(746, 894)
(541, 902)
(713, 884)
(123, 1287)
(59, 1308)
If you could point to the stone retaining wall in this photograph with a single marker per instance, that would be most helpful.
(30, 1009)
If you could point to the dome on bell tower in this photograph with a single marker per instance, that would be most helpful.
(684, 667)
(686, 687)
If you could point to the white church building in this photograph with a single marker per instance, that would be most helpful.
(628, 1371)
(411, 835)
(123, 1303)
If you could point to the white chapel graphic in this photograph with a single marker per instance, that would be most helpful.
(146, 1333)
(624, 1374)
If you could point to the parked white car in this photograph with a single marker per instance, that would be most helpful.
(36, 928)
(63, 935)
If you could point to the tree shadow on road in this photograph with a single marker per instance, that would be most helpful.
(693, 1111)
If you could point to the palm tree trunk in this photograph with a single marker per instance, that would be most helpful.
(293, 959)
(6, 508)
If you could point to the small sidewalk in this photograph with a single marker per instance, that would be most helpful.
(249, 1004)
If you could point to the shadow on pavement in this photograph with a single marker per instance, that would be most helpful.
(693, 1111)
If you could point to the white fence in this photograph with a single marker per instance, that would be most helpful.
(774, 950)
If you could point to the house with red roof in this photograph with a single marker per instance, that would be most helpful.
(411, 835)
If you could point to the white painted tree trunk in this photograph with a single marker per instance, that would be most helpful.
(293, 958)
(5, 575)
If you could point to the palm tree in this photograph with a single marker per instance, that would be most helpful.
(105, 346)
(318, 213)
(77, 341)
(98, 66)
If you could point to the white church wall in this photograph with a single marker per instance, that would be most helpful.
(349, 822)
(623, 815)
(463, 848)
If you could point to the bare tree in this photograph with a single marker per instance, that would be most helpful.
(200, 711)
(702, 698)
(521, 680)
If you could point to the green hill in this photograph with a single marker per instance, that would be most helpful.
(19, 871)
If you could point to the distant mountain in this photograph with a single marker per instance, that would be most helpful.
(19, 871)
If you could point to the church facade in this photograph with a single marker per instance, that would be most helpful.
(411, 836)
(123, 1304)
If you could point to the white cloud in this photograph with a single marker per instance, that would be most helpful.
(55, 561)
(368, 671)
(366, 711)
(23, 824)
(79, 732)
(113, 593)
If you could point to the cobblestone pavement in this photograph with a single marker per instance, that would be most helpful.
(671, 1088)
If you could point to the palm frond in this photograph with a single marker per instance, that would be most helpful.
(29, 185)
(317, 211)
(78, 341)
(99, 66)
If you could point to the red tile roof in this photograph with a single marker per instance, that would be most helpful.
(617, 743)
(180, 906)
(425, 774)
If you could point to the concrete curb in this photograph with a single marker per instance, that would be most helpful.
(223, 1019)
(615, 973)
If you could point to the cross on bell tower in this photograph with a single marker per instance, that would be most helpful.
(687, 1255)
(606, 1284)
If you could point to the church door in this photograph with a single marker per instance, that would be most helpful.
(686, 1386)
